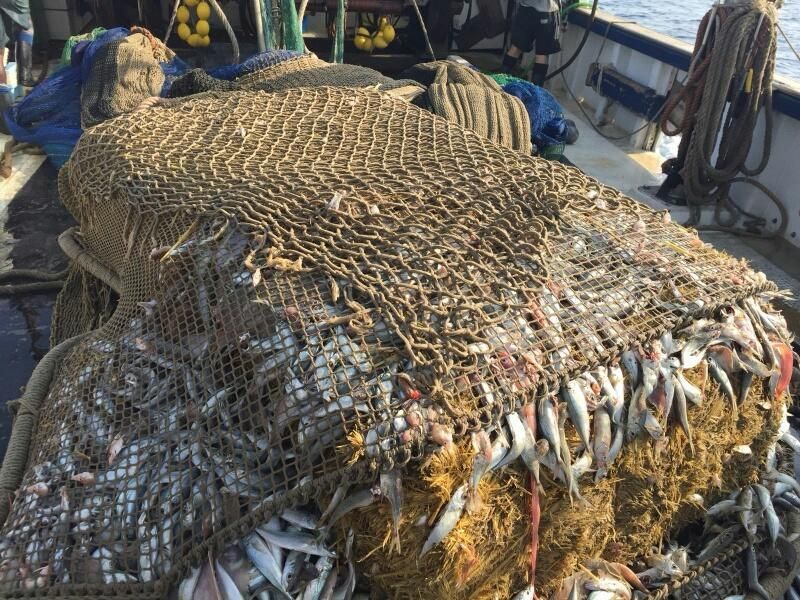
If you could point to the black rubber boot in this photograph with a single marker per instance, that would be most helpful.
(509, 64)
(24, 57)
(538, 74)
(572, 132)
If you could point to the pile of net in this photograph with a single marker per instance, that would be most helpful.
(333, 301)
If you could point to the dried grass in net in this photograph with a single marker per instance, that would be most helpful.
(647, 496)
(307, 297)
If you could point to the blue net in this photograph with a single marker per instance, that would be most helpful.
(548, 127)
(50, 115)
(252, 64)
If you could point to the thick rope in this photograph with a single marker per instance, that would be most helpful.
(228, 29)
(34, 274)
(30, 288)
(729, 82)
(27, 416)
(258, 18)
(74, 251)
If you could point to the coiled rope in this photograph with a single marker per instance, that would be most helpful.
(729, 82)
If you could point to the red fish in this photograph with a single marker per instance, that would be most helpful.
(785, 362)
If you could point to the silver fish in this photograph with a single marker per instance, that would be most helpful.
(602, 442)
(314, 588)
(636, 413)
(548, 422)
(578, 412)
(360, 499)
(295, 540)
(753, 583)
(745, 514)
(448, 520)
(517, 429)
(692, 392)
(527, 594)
(480, 466)
(632, 366)
(263, 559)
(188, 585)
(652, 425)
(618, 384)
(392, 489)
(783, 478)
(683, 413)
(721, 377)
(500, 448)
(227, 586)
(338, 496)
(771, 517)
(609, 584)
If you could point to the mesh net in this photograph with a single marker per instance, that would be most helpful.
(306, 298)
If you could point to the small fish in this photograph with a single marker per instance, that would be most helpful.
(530, 452)
(752, 365)
(632, 366)
(500, 448)
(791, 441)
(548, 421)
(299, 518)
(85, 478)
(783, 478)
(526, 594)
(263, 560)
(636, 413)
(723, 507)
(391, 486)
(618, 384)
(609, 584)
(694, 351)
(295, 540)
(360, 499)
(578, 412)
(602, 442)
(683, 414)
(652, 425)
(771, 517)
(227, 586)
(448, 520)
(692, 392)
(338, 496)
(115, 447)
(779, 381)
(745, 514)
(314, 588)
(721, 377)
(753, 583)
(517, 429)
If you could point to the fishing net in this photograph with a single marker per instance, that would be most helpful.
(315, 284)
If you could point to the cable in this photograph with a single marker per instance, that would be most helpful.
(608, 137)
(424, 29)
(788, 43)
(586, 33)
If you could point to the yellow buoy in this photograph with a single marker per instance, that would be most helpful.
(383, 22)
(205, 40)
(193, 40)
(184, 32)
(367, 45)
(183, 14)
(359, 41)
(388, 33)
(379, 42)
(191, 3)
(203, 11)
(363, 31)
(202, 27)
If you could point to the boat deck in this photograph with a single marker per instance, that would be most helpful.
(632, 170)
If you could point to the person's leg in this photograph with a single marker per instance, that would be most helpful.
(539, 69)
(547, 32)
(522, 30)
(24, 56)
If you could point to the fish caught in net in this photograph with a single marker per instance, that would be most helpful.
(321, 285)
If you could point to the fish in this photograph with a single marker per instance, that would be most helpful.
(683, 414)
(636, 416)
(779, 381)
(753, 583)
(391, 486)
(770, 516)
(609, 584)
(227, 586)
(500, 448)
(752, 365)
(650, 376)
(188, 585)
(566, 459)
(652, 425)
(517, 429)
(618, 383)
(791, 441)
(723, 507)
(448, 520)
(295, 540)
(526, 594)
(263, 560)
(530, 454)
(692, 392)
(361, 499)
(602, 443)
(745, 502)
(345, 590)
(291, 569)
(314, 588)
(721, 378)
(548, 421)
(578, 412)
(720, 543)
(631, 364)
(299, 518)
(783, 478)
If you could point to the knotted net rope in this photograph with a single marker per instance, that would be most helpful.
(315, 284)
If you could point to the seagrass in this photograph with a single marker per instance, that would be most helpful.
(299, 269)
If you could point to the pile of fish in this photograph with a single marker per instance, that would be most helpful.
(223, 388)
(755, 513)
